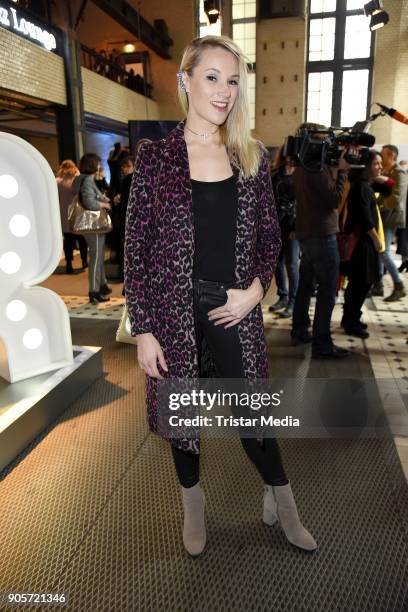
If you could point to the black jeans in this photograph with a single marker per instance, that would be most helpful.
(226, 351)
(319, 261)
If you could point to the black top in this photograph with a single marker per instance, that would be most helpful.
(362, 208)
(215, 206)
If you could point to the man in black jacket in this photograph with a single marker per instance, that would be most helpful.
(318, 195)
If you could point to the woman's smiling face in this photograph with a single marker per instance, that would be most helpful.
(213, 86)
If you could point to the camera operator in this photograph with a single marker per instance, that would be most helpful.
(318, 194)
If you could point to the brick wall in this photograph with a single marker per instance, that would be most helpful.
(390, 84)
(31, 70)
(279, 105)
(109, 99)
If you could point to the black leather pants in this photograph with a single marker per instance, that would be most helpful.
(226, 351)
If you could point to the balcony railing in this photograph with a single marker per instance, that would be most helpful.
(115, 70)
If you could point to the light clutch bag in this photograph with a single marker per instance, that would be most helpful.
(123, 334)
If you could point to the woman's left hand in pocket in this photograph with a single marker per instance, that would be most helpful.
(239, 303)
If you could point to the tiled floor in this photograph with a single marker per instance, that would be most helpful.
(79, 306)
(386, 347)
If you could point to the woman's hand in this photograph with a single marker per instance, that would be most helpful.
(148, 353)
(240, 302)
(105, 205)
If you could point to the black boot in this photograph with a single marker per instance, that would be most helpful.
(397, 293)
(69, 269)
(404, 266)
(280, 304)
(96, 296)
(105, 290)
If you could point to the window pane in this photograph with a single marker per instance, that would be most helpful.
(319, 97)
(358, 37)
(251, 95)
(238, 31)
(243, 8)
(213, 29)
(203, 16)
(355, 4)
(354, 98)
(322, 6)
(207, 29)
(321, 41)
(244, 35)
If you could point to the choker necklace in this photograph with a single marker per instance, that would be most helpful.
(205, 135)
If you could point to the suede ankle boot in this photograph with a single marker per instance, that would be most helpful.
(194, 535)
(289, 519)
(269, 506)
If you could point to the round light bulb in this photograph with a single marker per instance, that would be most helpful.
(10, 262)
(32, 338)
(19, 226)
(8, 186)
(16, 310)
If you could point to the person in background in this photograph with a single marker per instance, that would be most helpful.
(362, 219)
(100, 180)
(402, 233)
(282, 181)
(118, 153)
(318, 192)
(65, 176)
(92, 199)
(392, 209)
(120, 205)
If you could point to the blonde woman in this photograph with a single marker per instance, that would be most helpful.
(202, 240)
(65, 176)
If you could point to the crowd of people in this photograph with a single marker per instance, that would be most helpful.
(372, 202)
(113, 66)
(87, 184)
(308, 205)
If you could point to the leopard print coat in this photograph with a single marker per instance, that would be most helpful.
(159, 249)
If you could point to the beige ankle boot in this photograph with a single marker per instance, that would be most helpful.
(289, 519)
(269, 506)
(194, 535)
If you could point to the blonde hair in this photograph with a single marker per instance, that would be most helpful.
(235, 132)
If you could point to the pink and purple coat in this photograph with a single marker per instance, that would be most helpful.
(159, 250)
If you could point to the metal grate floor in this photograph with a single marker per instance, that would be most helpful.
(93, 508)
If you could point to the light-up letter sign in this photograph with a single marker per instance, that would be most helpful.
(35, 335)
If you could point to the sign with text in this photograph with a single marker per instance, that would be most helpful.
(12, 20)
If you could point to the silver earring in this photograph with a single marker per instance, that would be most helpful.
(180, 80)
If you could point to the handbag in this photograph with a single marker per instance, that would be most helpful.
(84, 221)
(123, 333)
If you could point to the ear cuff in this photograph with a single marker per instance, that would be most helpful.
(180, 80)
